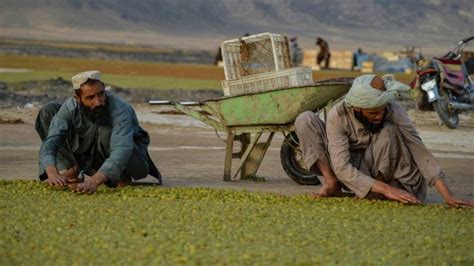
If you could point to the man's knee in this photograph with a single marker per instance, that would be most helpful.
(139, 172)
(305, 119)
(388, 139)
(104, 133)
(103, 140)
(389, 132)
(383, 155)
(44, 117)
(49, 110)
(137, 165)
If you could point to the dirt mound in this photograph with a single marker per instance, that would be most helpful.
(11, 121)
(36, 92)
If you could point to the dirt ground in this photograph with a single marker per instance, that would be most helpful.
(189, 154)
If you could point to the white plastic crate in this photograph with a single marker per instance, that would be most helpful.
(255, 54)
(291, 77)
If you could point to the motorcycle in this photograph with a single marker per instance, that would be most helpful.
(446, 84)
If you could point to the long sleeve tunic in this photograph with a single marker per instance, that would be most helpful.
(345, 134)
(69, 122)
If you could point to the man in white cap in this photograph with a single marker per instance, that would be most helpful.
(369, 145)
(93, 132)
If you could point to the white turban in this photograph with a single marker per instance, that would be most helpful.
(363, 95)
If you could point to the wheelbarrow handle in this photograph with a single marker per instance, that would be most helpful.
(160, 102)
(186, 108)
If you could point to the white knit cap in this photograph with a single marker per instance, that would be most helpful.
(79, 79)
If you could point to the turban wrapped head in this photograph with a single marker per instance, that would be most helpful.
(363, 95)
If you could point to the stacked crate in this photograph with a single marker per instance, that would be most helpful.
(341, 60)
(309, 58)
(367, 67)
(286, 78)
(390, 56)
(258, 63)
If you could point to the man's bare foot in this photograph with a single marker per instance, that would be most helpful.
(126, 181)
(72, 175)
(329, 189)
(73, 180)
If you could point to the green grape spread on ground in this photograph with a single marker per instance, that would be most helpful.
(163, 226)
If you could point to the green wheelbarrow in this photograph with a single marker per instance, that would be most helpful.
(246, 117)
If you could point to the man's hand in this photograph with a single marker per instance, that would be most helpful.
(90, 185)
(455, 202)
(449, 197)
(87, 187)
(57, 180)
(54, 177)
(394, 193)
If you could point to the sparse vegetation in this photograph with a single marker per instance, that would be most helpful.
(136, 74)
(124, 81)
(65, 64)
(86, 46)
(120, 73)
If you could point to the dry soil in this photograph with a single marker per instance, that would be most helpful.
(190, 154)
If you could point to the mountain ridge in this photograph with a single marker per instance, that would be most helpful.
(371, 24)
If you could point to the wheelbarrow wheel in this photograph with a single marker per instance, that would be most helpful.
(293, 164)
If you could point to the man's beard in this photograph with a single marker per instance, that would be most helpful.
(369, 126)
(97, 115)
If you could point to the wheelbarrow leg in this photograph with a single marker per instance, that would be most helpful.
(247, 152)
(228, 154)
(255, 158)
(245, 139)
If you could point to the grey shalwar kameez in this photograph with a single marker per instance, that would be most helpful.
(117, 148)
(357, 156)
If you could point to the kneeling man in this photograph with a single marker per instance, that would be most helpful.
(370, 146)
(93, 132)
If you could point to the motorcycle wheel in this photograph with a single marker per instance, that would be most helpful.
(449, 117)
(421, 101)
(292, 161)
